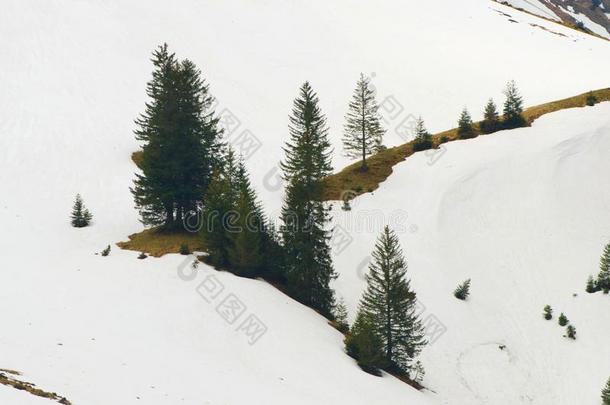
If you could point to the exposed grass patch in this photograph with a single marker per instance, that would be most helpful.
(380, 165)
(157, 242)
(29, 387)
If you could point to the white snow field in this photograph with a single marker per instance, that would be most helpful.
(524, 213)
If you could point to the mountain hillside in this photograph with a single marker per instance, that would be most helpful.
(523, 213)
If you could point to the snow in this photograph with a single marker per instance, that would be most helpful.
(15, 397)
(525, 214)
(117, 330)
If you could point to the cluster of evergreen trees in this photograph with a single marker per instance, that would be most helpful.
(602, 282)
(186, 166)
(562, 321)
(387, 333)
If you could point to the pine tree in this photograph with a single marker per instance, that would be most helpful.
(548, 312)
(606, 393)
(217, 210)
(571, 332)
(465, 128)
(418, 372)
(180, 142)
(365, 345)
(423, 139)
(462, 291)
(513, 107)
(390, 303)
(563, 320)
(305, 216)
(491, 119)
(603, 279)
(81, 216)
(591, 285)
(246, 250)
(363, 133)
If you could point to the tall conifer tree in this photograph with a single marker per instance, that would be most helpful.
(180, 142)
(465, 128)
(391, 303)
(309, 267)
(513, 107)
(363, 132)
(491, 119)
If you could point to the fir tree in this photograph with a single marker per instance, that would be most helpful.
(563, 320)
(309, 267)
(513, 107)
(363, 133)
(591, 285)
(571, 332)
(462, 291)
(491, 119)
(390, 303)
(246, 249)
(465, 128)
(548, 312)
(365, 345)
(603, 279)
(81, 216)
(180, 142)
(606, 393)
(423, 139)
(217, 211)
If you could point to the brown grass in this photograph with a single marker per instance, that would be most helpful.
(29, 387)
(352, 180)
(157, 242)
(136, 157)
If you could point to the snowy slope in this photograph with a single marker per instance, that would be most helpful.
(525, 214)
(122, 331)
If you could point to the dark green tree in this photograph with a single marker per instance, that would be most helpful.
(390, 303)
(180, 142)
(365, 345)
(513, 107)
(363, 133)
(606, 393)
(80, 216)
(591, 99)
(462, 291)
(548, 312)
(591, 286)
(218, 213)
(465, 126)
(340, 315)
(246, 233)
(571, 332)
(563, 320)
(491, 119)
(309, 267)
(603, 279)
(423, 139)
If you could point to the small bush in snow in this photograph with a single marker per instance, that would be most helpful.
(106, 251)
(591, 99)
(462, 291)
(571, 332)
(563, 320)
(142, 255)
(548, 313)
(591, 285)
(418, 372)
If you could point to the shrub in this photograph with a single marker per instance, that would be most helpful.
(364, 345)
(445, 139)
(591, 286)
(106, 251)
(422, 144)
(184, 249)
(606, 393)
(563, 320)
(462, 291)
(142, 255)
(418, 372)
(346, 206)
(571, 332)
(548, 312)
(591, 99)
